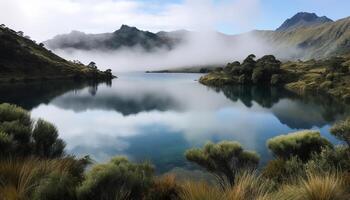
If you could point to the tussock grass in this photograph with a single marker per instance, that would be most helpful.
(316, 186)
(249, 186)
(19, 178)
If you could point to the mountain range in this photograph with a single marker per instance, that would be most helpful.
(309, 35)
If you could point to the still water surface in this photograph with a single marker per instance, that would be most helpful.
(157, 117)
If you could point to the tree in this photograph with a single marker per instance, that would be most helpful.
(20, 33)
(341, 130)
(301, 144)
(224, 160)
(92, 65)
(41, 44)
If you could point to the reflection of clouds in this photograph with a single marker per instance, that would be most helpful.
(106, 133)
(180, 114)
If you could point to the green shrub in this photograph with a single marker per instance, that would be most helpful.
(341, 130)
(329, 159)
(56, 186)
(46, 142)
(276, 79)
(24, 140)
(282, 171)
(301, 144)
(224, 159)
(117, 179)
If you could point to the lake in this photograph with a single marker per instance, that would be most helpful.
(156, 117)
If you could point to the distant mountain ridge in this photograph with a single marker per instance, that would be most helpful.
(306, 34)
(126, 36)
(303, 19)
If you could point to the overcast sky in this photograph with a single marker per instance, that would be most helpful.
(43, 19)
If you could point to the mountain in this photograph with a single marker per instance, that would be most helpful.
(304, 36)
(316, 41)
(21, 59)
(303, 19)
(126, 36)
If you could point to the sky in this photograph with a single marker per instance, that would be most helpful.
(43, 19)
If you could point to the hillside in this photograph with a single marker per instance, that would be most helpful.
(318, 41)
(22, 59)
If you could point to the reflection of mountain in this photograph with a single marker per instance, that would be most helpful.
(31, 94)
(114, 101)
(294, 111)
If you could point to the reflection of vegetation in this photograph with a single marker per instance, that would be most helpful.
(328, 109)
(308, 168)
(31, 94)
(264, 96)
(117, 102)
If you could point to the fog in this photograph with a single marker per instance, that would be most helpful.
(198, 49)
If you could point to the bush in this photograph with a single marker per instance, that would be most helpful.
(56, 186)
(282, 171)
(22, 140)
(341, 130)
(46, 142)
(224, 159)
(301, 144)
(329, 159)
(116, 180)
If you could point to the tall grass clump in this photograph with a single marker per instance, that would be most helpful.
(249, 186)
(164, 187)
(316, 186)
(34, 178)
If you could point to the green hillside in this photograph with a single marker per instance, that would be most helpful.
(23, 59)
(320, 41)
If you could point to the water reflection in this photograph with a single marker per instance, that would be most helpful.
(157, 117)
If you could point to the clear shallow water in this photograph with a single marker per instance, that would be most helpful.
(157, 117)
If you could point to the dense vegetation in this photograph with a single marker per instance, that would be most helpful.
(33, 165)
(330, 76)
(22, 59)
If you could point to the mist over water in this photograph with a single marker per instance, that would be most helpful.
(200, 49)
